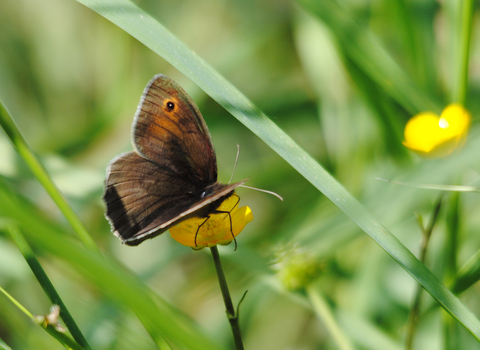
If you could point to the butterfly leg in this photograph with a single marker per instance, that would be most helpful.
(230, 217)
(198, 229)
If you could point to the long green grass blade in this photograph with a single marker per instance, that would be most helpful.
(144, 28)
(43, 177)
(3, 345)
(47, 286)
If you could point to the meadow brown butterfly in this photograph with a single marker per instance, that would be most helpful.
(172, 173)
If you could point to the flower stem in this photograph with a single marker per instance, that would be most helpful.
(324, 312)
(231, 314)
(413, 317)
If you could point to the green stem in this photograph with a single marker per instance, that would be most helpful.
(466, 23)
(324, 312)
(231, 315)
(413, 318)
(453, 227)
(4, 345)
(43, 177)
(451, 332)
(47, 286)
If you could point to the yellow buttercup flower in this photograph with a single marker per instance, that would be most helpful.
(433, 136)
(216, 230)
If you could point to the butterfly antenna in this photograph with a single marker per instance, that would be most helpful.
(259, 189)
(235, 165)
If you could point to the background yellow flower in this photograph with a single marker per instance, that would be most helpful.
(433, 136)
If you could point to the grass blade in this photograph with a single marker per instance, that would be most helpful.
(3, 345)
(43, 177)
(66, 341)
(47, 286)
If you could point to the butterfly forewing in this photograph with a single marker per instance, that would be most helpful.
(169, 130)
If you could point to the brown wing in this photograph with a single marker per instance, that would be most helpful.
(143, 200)
(169, 130)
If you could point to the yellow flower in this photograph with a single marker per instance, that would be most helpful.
(433, 136)
(216, 229)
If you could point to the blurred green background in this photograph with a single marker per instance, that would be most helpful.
(72, 81)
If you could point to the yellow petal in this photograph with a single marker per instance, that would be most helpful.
(240, 219)
(421, 132)
(458, 120)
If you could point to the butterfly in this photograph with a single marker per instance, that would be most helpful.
(172, 173)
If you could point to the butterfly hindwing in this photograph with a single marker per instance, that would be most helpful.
(138, 192)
